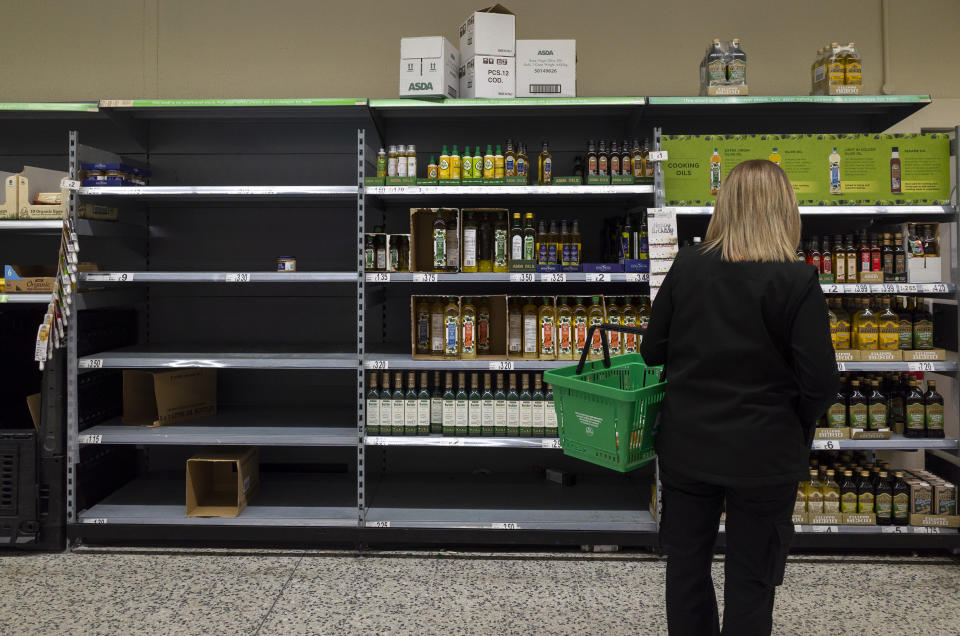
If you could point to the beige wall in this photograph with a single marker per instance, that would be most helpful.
(69, 50)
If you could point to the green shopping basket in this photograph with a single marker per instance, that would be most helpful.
(607, 409)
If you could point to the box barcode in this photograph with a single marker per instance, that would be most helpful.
(544, 88)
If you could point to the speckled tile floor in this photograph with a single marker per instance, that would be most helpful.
(318, 592)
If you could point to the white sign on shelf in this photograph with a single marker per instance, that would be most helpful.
(635, 277)
(501, 365)
(888, 288)
(238, 277)
(832, 288)
(505, 526)
(379, 524)
(657, 155)
(551, 443)
(69, 184)
(98, 521)
(522, 277)
(110, 277)
(925, 530)
(378, 277)
(598, 277)
(376, 365)
(894, 529)
(908, 288)
(826, 444)
(825, 529)
(662, 226)
(933, 288)
(553, 277)
(94, 363)
(859, 288)
(91, 439)
(424, 278)
(841, 366)
(920, 366)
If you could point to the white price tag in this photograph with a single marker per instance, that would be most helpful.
(553, 277)
(598, 277)
(378, 277)
(96, 521)
(111, 277)
(634, 277)
(94, 363)
(934, 288)
(923, 530)
(501, 365)
(505, 526)
(832, 289)
(888, 288)
(894, 529)
(3, 298)
(238, 277)
(551, 443)
(825, 528)
(907, 288)
(920, 366)
(841, 366)
(826, 444)
(797, 528)
(723, 527)
(860, 288)
(379, 524)
(522, 278)
(657, 155)
(453, 441)
(424, 278)
(376, 365)
(69, 184)
(91, 439)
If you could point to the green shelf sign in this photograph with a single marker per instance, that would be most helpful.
(241, 103)
(500, 103)
(50, 107)
(791, 99)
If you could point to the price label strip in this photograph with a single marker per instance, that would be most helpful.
(91, 439)
(634, 277)
(378, 277)
(501, 365)
(553, 277)
(509, 525)
(826, 444)
(551, 443)
(523, 277)
(920, 366)
(378, 524)
(376, 365)
(598, 277)
(238, 277)
(111, 277)
(657, 155)
(423, 278)
(92, 363)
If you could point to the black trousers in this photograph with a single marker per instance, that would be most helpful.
(759, 530)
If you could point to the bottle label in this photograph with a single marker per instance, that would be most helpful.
(394, 259)
(517, 249)
(552, 254)
(905, 334)
(369, 258)
(500, 248)
(526, 416)
(916, 417)
(373, 412)
(901, 505)
(423, 331)
(596, 344)
(715, 172)
(439, 249)
(858, 415)
(877, 414)
(543, 253)
(499, 415)
(546, 335)
(831, 502)
(815, 502)
(737, 71)
(509, 165)
(843, 334)
(923, 334)
(381, 258)
(613, 337)
(934, 417)
(629, 339)
(436, 411)
(444, 164)
(450, 342)
(539, 417)
(837, 415)
(848, 503)
(461, 417)
(529, 334)
(614, 165)
(580, 330)
(521, 167)
(468, 334)
(386, 415)
(483, 332)
(889, 337)
(867, 336)
(884, 505)
(432, 172)
(835, 178)
(436, 333)
(410, 413)
(467, 167)
(513, 415)
(865, 503)
(563, 331)
(398, 413)
(565, 254)
(550, 417)
(487, 419)
(475, 418)
(602, 166)
(547, 169)
(528, 249)
(516, 335)
(592, 165)
(401, 166)
(574, 254)
(392, 167)
(469, 247)
(841, 275)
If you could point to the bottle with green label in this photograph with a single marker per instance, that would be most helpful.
(526, 407)
(411, 406)
(399, 404)
(513, 409)
(901, 500)
(877, 409)
(865, 494)
(915, 423)
(487, 408)
(436, 405)
(462, 413)
(500, 409)
(538, 412)
(529, 237)
(857, 407)
(500, 242)
(370, 253)
(814, 493)
(922, 327)
(848, 493)
(884, 500)
(423, 406)
(933, 410)
(837, 412)
(386, 406)
(449, 422)
(905, 324)
(474, 407)
(372, 413)
(550, 428)
(439, 242)
(831, 493)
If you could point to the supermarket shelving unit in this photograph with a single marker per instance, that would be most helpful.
(193, 253)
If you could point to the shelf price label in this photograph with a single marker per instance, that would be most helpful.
(95, 363)
(832, 289)
(91, 439)
(860, 288)
(888, 288)
(933, 288)
(110, 277)
(925, 530)
(553, 277)
(841, 366)
(501, 365)
(379, 524)
(634, 277)
(523, 278)
(238, 277)
(378, 277)
(551, 443)
(826, 444)
(69, 184)
(505, 526)
(825, 529)
(894, 529)
(98, 521)
(657, 155)
(598, 277)
(908, 288)
(920, 366)
(424, 278)
(376, 365)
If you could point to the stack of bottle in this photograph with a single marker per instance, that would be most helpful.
(837, 70)
(386, 252)
(875, 323)
(887, 402)
(723, 69)
(845, 486)
(503, 405)
(397, 161)
(843, 258)
(608, 159)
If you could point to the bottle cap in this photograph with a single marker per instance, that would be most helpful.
(444, 151)
(498, 150)
(454, 149)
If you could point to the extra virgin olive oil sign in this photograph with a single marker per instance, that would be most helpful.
(901, 169)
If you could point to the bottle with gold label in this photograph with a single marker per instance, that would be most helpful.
(883, 503)
(933, 410)
(835, 66)
(448, 420)
(857, 407)
(922, 326)
(487, 408)
(905, 324)
(877, 408)
(513, 408)
(455, 164)
(548, 326)
(865, 327)
(372, 412)
(433, 170)
(451, 326)
(888, 327)
(628, 316)
(411, 406)
(499, 165)
(637, 160)
(848, 494)
(614, 338)
(468, 330)
(523, 162)
(774, 156)
(800, 506)
(580, 322)
(564, 330)
(865, 494)
(399, 403)
(852, 66)
(526, 407)
(443, 168)
(831, 493)
(545, 166)
(814, 493)
(843, 325)
(474, 407)
(530, 330)
(595, 317)
(510, 160)
(488, 163)
(837, 411)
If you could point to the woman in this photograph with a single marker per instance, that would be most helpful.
(743, 331)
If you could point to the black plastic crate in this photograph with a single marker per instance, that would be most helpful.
(51, 507)
(19, 519)
(52, 438)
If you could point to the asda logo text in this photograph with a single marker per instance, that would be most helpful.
(545, 52)
(421, 86)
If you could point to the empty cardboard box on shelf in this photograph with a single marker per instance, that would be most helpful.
(421, 239)
(8, 196)
(34, 182)
(490, 31)
(221, 483)
(546, 68)
(429, 67)
(163, 398)
(487, 77)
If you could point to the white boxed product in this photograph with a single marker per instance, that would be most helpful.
(924, 270)
(546, 68)
(487, 76)
(429, 67)
(490, 31)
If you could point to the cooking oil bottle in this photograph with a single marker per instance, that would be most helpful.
(888, 329)
(835, 186)
(483, 326)
(451, 323)
(531, 347)
(852, 66)
(488, 163)
(545, 166)
(455, 164)
(548, 325)
(595, 317)
(564, 330)
(579, 328)
(836, 66)
(468, 330)
(499, 166)
(628, 316)
(443, 171)
(614, 338)
(716, 171)
(510, 160)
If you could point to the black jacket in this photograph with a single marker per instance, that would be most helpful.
(749, 368)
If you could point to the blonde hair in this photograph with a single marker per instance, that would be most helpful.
(756, 217)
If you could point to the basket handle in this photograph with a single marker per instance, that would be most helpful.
(604, 328)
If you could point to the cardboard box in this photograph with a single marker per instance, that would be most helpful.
(944, 498)
(35, 405)
(97, 212)
(858, 519)
(487, 77)
(924, 270)
(717, 91)
(921, 498)
(421, 239)
(859, 433)
(490, 31)
(878, 355)
(826, 519)
(8, 196)
(832, 433)
(799, 518)
(29, 279)
(847, 355)
(920, 355)
(546, 68)
(497, 334)
(429, 67)
(403, 246)
(221, 483)
(33, 181)
(935, 521)
(168, 397)
(479, 214)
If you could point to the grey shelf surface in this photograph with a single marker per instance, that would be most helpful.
(31, 226)
(206, 193)
(30, 299)
(236, 426)
(888, 288)
(947, 366)
(897, 442)
(503, 277)
(284, 499)
(219, 277)
(466, 442)
(374, 361)
(110, 229)
(508, 501)
(842, 210)
(552, 193)
(885, 530)
(211, 356)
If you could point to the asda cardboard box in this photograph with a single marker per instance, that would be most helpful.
(490, 31)
(429, 67)
(8, 196)
(34, 182)
(488, 77)
(546, 68)
(421, 239)
(168, 397)
(221, 483)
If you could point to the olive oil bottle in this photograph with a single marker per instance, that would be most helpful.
(628, 316)
(470, 242)
(449, 421)
(500, 409)
(516, 239)
(411, 406)
(513, 408)
(545, 166)
(399, 403)
(901, 500)
(866, 327)
(848, 494)
(530, 330)
(579, 328)
(423, 326)
(386, 406)
(814, 493)
(487, 407)
(614, 338)
(550, 428)
(489, 170)
(437, 329)
(933, 410)
(439, 242)
(462, 406)
(372, 412)
(595, 316)
(436, 405)
(539, 416)
(877, 409)
(884, 500)
(831, 493)
(501, 252)
(548, 325)
(905, 325)
(564, 330)
(510, 160)
(526, 407)
(474, 407)
(857, 407)
(922, 327)
(865, 496)
(837, 411)
(451, 326)
(888, 327)
(468, 330)
(483, 327)
(423, 406)
(529, 238)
